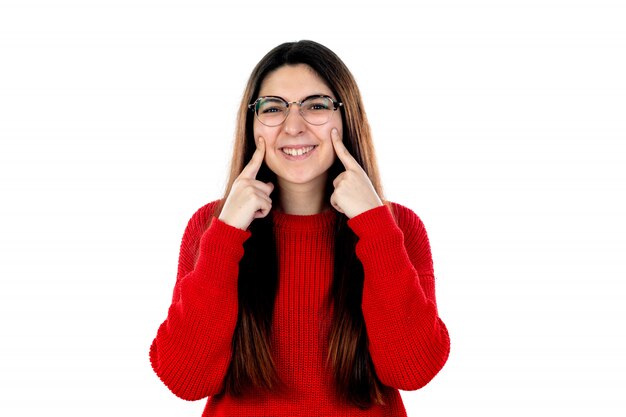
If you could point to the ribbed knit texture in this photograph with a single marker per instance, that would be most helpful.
(408, 342)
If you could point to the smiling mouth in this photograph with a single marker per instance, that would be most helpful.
(298, 151)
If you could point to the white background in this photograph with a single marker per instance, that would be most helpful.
(501, 123)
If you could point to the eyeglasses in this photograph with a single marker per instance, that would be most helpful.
(316, 110)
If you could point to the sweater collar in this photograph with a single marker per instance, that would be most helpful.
(300, 222)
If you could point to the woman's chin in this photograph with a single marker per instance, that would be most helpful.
(301, 180)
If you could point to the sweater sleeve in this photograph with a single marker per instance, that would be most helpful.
(192, 348)
(408, 342)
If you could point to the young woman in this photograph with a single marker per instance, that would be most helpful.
(302, 291)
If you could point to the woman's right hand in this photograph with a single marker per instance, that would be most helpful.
(248, 198)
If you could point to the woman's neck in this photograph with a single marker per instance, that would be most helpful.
(302, 199)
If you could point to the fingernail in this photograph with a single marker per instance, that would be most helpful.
(335, 131)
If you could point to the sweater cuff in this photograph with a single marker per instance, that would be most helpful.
(373, 222)
(381, 243)
(227, 234)
(223, 242)
(221, 249)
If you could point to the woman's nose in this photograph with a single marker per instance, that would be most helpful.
(294, 124)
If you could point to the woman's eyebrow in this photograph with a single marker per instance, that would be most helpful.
(305, 98)
(315, 95)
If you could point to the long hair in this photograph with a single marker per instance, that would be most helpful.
(348, 355)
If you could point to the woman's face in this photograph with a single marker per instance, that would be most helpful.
(294, 83)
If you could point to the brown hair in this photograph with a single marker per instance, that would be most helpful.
(348, 354)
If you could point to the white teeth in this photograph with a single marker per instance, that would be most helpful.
(297, 152)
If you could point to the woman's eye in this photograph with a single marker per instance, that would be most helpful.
(318, 106)
(273, 109)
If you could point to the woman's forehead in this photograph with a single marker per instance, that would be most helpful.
(293, 82)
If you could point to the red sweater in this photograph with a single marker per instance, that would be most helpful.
(408, 342)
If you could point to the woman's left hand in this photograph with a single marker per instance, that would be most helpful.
(354, 192)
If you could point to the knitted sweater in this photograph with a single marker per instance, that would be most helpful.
(408, 342)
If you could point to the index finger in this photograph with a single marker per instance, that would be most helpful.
(252, 168)
(342, 152)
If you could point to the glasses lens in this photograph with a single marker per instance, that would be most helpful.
(317, 110)
(271, 111)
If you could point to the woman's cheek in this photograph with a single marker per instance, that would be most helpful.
(337, 126)
(268, 133)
